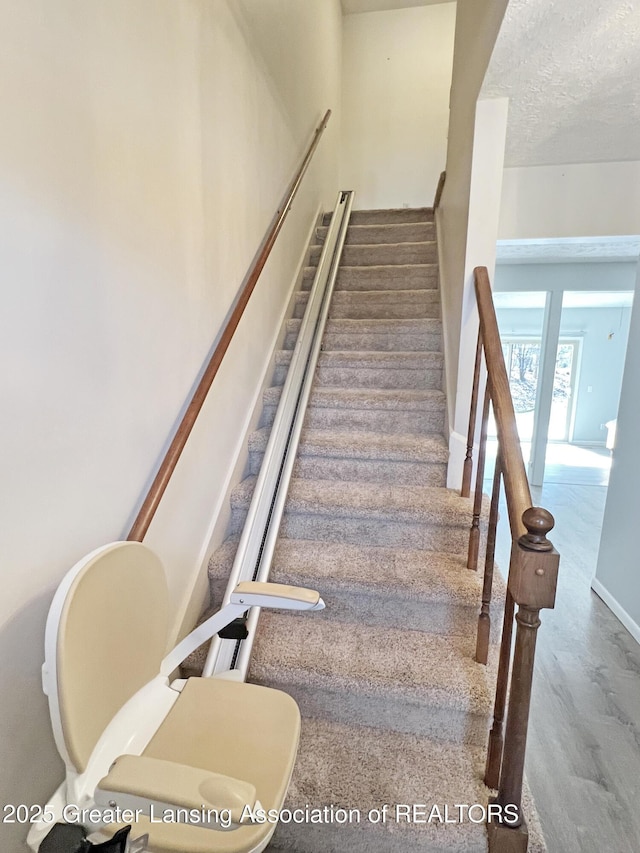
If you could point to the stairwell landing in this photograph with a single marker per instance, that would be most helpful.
(395, 710)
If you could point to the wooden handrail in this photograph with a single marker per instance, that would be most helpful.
(168, 464)
(439, 190)
(517, 490)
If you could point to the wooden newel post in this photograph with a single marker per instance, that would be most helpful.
(532, 584)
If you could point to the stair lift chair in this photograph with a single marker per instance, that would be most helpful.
(193, 760)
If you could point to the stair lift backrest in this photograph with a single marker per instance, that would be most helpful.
(106, 635)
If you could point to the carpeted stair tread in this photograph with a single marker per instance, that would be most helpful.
(381, 277)
(365, 768)
(386, 410)
(422, 590)
(414, 573)
(398, 232)
(372, 359)
(378, 304)
(371, 369)
(381, 217)
(370, 662)
(328, 454)
(422, 335)
(395, 503)
(363, 445)
(379, 762)
(383, 253)
(383, 399)
(341, 656)
(402, 573)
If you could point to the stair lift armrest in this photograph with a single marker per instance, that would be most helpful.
(245, 595)
(157, 787)
(276, 595)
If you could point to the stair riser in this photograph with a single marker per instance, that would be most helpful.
(360, 377)
(432, 534)
(430, 715)
(362, 470)
(429, 342)
(400, 277)
(368, 235)
(387, 217)
(377, 306)
(368, 420)
(400, 253)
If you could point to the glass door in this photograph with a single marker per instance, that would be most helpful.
(564, 383)
(522, 359)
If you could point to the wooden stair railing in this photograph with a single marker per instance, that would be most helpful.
(167, 466)
(439, 190)
(532, 579)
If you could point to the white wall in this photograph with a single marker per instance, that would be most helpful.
(461, 325)
(575, 200)
(397, 75)
(144, 150)
(617, 579)
(477, 26)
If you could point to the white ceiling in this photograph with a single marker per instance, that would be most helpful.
(350, 7)
(571, 69)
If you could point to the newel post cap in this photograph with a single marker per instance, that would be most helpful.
(538, 522)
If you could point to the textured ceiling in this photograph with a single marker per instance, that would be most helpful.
(568, 250)
(349, 7)
(571, 69)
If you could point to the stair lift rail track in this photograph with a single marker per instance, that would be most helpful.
(258, 539)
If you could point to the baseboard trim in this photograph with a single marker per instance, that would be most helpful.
(586, 443)
(447, 374)
(616, 608)
(457, 455)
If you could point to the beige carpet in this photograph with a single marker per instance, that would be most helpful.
(395, 710)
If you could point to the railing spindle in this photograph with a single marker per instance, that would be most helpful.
(496, 738)
(484, 619)
(474, 534)
(467, 469)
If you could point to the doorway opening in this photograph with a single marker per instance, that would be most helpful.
(564, 351)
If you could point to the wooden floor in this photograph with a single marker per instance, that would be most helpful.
(572, 464)
(583, 757)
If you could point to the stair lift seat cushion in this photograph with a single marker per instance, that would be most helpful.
(244, 731)
(112, 631)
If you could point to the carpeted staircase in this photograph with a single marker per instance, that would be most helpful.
(395, 710)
